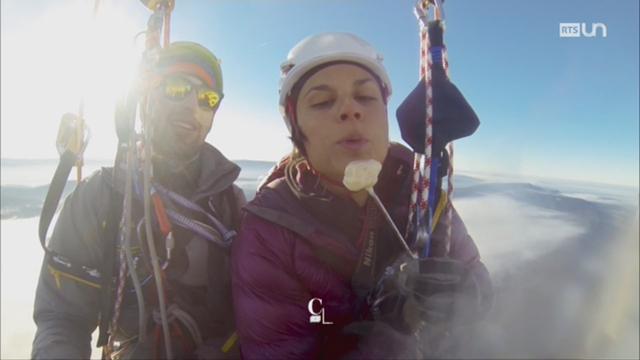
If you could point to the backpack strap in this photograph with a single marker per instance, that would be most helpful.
(57, 263)
(230, 198)
(51, 201)
(364, 278)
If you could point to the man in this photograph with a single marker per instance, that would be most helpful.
(195, 182)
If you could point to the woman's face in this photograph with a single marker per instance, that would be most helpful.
(342, 113)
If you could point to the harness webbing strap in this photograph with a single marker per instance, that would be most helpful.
(57, 263)
(51, 201)
(108, 235)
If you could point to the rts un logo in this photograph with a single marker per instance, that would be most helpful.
(580, 29)
(317, 317)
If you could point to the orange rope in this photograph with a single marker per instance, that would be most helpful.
(161, 213)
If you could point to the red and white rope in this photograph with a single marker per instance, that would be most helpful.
(417, 157)
(449, 198)
(421, 188)
(416, 205)
(445, 64)
(415, 189)
(422, 177)
(425, 71)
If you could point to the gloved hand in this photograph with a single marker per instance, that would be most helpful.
(430, 291)
(443, 290)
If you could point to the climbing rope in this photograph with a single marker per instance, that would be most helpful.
(161, 15)
(445, 63)
(422, 162)
(162, 11)
(424, 176)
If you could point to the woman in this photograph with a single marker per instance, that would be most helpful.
(310, 252)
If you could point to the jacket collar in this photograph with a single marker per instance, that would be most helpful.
(329, 221)
(216, 173)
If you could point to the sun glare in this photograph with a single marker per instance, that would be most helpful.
(66, 56)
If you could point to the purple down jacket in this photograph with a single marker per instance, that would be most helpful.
(292, 249)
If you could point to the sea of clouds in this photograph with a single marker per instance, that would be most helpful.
(563, 257)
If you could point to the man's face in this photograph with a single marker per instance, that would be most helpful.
(182, 111)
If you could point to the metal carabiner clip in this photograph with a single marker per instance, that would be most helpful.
(421, 10)
(68, 135)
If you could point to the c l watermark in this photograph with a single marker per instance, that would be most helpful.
(317, 317)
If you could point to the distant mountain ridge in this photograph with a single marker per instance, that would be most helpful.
(106, 162)
(21, 199)
(25, 201)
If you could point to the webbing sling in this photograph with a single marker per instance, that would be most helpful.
(56, 261)
(59, 264)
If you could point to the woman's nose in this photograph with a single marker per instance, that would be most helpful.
(350, 110)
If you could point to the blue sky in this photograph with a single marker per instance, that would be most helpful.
(548, 106)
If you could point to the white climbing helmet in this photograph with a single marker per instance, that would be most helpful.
(323, 48)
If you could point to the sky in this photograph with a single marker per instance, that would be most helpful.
(549, 106)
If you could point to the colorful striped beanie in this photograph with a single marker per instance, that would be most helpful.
(194, 59)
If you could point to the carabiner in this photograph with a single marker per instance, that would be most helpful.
(156, 4)
(421, 10)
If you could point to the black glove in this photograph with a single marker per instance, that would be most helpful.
(444, 290)
(431, 291)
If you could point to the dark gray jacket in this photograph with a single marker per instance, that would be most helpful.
(67, 311)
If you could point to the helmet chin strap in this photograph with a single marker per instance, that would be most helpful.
(357, 197)
(325, 178)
